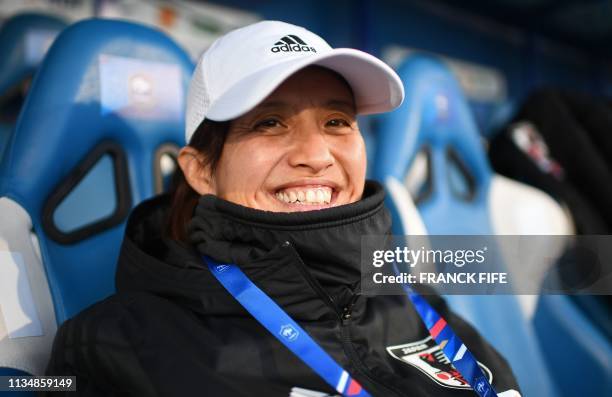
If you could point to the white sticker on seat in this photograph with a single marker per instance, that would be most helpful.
(18, 308)
(141, 89)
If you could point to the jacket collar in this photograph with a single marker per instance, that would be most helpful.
(324, 247)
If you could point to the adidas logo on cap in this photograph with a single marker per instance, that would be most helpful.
(292, 43)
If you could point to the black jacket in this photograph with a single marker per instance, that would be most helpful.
(172, 330)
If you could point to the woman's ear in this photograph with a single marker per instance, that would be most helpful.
(196, 173)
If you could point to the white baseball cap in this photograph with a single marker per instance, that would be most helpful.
(243, 67)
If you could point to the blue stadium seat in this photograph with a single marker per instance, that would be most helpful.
(430, 150)
(96, 135)
(24, 40)
(577, 352)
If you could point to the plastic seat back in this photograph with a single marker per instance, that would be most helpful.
(431, 147)
(24, 40)
(103, 117)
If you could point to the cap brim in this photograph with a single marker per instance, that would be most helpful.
(376, 87)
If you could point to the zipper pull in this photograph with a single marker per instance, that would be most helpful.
(347, 310)
(346, 314)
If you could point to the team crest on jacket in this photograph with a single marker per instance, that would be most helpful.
(427, 356)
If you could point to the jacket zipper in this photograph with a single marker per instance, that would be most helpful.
(344, 316)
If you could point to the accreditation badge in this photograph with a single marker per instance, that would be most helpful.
(427, 356)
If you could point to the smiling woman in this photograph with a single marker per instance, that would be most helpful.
(245, 281)
(299, 150)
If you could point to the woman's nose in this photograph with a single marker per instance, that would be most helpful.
(311, 149)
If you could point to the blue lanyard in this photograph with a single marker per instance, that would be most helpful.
(461, 358)
(287, 331)
(290, 334)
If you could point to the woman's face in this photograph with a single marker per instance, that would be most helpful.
(299, 150)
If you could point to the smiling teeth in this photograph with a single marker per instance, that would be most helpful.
(306, 196)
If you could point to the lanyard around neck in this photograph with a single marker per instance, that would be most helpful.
(295, 338)
(454, 349)
(284, 328)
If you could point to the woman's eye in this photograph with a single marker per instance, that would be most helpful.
(338, 123)
(267, 123)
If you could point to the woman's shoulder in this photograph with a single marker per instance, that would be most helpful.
(100, 323)
(115, 332)
(119, 314)
(107, 340)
